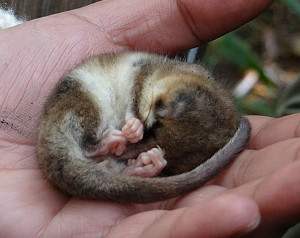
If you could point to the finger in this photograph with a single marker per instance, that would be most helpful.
(140, 133)
(266, 131)
(278, 151)
(120, 149)
(239, 215)
(116, 133)
(170, 25)
(128, 125)
(277, 195)
(144, 157)
(253, 164)
(138, 163)
(195, 197)
(132, 132)
(257, 123)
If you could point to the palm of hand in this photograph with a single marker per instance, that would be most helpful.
(267, 172)
(32, 207)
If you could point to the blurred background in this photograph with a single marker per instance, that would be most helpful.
(259, 62)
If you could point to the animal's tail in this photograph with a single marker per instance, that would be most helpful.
(160, 188)
(84, 178)
(8, 19)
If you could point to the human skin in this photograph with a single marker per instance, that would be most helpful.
(262, 182)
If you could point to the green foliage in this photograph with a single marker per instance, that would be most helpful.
(236, 50)
(293, 5)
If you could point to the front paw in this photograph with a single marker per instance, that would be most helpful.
(133, 130)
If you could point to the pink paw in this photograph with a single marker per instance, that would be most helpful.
(113, 142)
(148, 164)
(133, 130)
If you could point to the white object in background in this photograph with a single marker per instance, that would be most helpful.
(246, 84)
(192, 55)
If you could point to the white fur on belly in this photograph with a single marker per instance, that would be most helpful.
(111, 87)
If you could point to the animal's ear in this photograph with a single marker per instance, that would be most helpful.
(170, 110)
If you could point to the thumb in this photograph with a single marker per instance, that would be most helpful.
(169, 25)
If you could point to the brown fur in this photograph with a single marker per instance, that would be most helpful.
(67, 97)
(201, 128)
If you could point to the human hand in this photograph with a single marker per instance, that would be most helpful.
(34, 56)
(268, 172)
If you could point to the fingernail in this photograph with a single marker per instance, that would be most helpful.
(253, 225)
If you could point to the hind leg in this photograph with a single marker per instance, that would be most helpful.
(148, 164)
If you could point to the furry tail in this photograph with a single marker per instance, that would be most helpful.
(8, 19)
